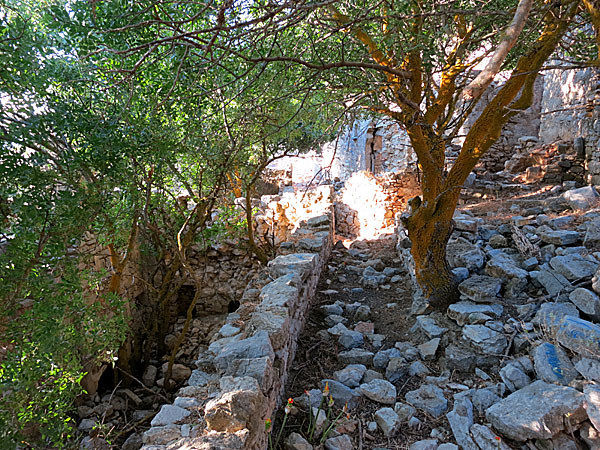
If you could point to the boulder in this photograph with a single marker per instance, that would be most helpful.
(429, 398)
(537, 411)
(380, 391)
(587, 302)
(485, 339)
(574, 267)
(480, 288)
(552, 364)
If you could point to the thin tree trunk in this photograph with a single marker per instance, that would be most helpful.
(260, 254)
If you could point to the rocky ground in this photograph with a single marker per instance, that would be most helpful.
(515, 364)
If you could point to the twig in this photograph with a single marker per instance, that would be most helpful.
(162, 397)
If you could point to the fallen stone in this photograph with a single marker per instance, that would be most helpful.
(428, 349)
(388, 421)
(362, 313)
(426, 444)
(581, 198)
(342, 394)
(335, 309)
(587, 302)
(592, 403)
(485, 339)
(382, 357)
(486, 439)
(552, 281)
(149, 376)
(133, 442)
(350, 375)
(537, 411)
(592, 235)
(550, 315)
(580, 336)
(480, 288)
(590, 435)
(405, 412)
(407, 350)
(588, 368)
(448, 446)
(514, 377)
(396, 369)
(461, 419)
(467, 312)
(430, 327)
(295, 441)
(503, 266)
(380, 391)
(459, 358)
(342, 442)
(553, 365)
(560, 237)
(351, 339)
(179, 373)
(429, 398)
(484, 398)
(356, 356)
(417, 368)
(574, 267)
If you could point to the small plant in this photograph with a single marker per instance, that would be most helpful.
(312, 432)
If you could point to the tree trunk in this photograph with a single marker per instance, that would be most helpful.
(429, 238)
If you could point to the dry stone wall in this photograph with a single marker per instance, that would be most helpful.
(241, 376)
(367, 204)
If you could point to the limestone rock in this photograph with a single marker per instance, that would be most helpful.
(592, 403)
(426, 444)
(169, 414)
(485, 339)
(587, 302)
(467, 312)
(486, 439)
(537, 411)
(256, 346)
(380, 391)
(429, 398)
(342, 442)
(356, 356)
(350, 375)
(341, 393)
(480, 288)
(580, 336)
(574, 267)
(388, 420)
(550, 315)
(588, 368)
(295, 441)
(461, 419)
(235, 409)
(553, 365)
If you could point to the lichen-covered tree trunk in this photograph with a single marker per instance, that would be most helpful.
(429, 240)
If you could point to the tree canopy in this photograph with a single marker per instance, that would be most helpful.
(111, 111)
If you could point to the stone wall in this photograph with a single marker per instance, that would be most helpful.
(242, 374)
(367, 204)
(571, 110)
